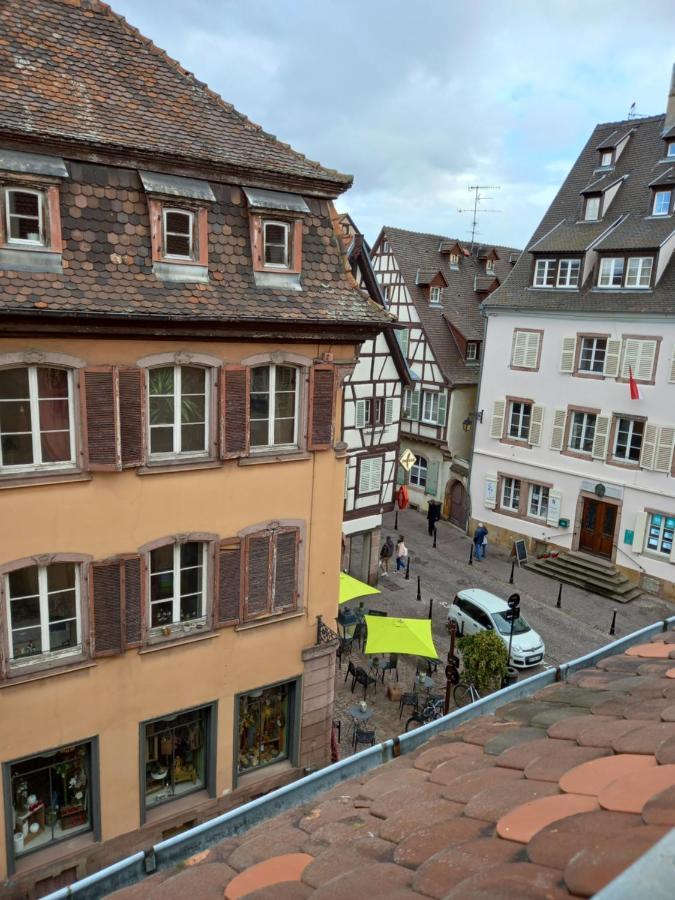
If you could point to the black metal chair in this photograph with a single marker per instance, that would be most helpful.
(344, 649)
(360, 676)
(351, 670)
(363, 737)
(407, 699)
(391, 665)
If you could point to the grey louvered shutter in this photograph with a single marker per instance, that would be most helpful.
(497, 421)
(131, 416)
(234, 411)
(360, 413)
(286, 571)
(431, 486)
(229, 583)
(558, 430)
(601, 437)
(649, 441)
(415, 405)
(258, 562)
(106, 584)
(132, 600)
(569, 346)
(388, 411)
(612, 359)
(536, 425)
(664, 449)
(100, 410)
(442, 407)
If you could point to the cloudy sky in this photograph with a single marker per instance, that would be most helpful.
(419, 100)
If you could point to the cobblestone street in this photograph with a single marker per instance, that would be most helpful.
(581, 625)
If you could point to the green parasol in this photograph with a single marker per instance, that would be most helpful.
(351, 588)
(410, 636)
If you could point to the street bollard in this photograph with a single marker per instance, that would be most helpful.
(431, 607)
(558, 603)
(419, 590)
(612, 627)
(407, 569)
(396, 521)
(435, 533)
(471, 554)
(513, 566)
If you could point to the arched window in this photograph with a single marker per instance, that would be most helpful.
(274, 406)
(418, 473)
(37, 418)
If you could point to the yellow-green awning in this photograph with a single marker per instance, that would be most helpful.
(351, 588)
(389, 635)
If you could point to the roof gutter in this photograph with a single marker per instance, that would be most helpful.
(177, 848)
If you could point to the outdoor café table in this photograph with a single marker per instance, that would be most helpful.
(379, 667)
(359, 715)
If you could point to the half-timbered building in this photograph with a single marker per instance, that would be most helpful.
(435, 285)
(371, 422)
(175, 311)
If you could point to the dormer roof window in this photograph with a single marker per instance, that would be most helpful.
(670, 149)
(178, 233)
(489, 266)
(25, 214)
(592, 206)
(662, 204)
(627, 272)
(435, 295)
(454, 261)
(606, 158)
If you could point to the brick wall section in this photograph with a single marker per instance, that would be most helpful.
(318, 690)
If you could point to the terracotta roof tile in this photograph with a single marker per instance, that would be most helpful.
(558, 842)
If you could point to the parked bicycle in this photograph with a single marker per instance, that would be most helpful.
(433, 709)
(465, 693)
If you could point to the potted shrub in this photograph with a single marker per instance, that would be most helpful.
(485, 660)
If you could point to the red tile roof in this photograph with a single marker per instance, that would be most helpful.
(75, 70)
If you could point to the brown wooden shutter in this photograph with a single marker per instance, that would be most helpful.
(258, 575)
(107, 593)
(99, 405)
(132, 600)
(286, 571)
(229, 583)
(234, 411)
(131, 416)
(321, 407)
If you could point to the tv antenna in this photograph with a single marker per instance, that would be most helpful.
(478, 198)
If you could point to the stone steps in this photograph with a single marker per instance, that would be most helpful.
(588, 573)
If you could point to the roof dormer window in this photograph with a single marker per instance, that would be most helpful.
(662, 202)
(670, 149)
(25, 214)
(606, 158)
(178, 237)
(490, 267)
(434, 295)
(454, 261)
(592, 208)
(276, 244)
(632, 272)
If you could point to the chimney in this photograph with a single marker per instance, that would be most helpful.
(670, 108)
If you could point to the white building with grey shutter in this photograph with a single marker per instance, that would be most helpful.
(565, 457)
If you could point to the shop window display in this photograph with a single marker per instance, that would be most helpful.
(175, 756)
(263, 727)
(51, 797)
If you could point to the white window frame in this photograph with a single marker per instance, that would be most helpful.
(519, 420)
(258, 448)
(572, 270)
(24, 242)
(604, 162)
(631, 430)
(471, 351)
(489, 267)
(670, 149)
(511, 488)
(590, 205)
(418, 472)
(43, 595)
(537, 501)
(454, 261)
(38, 464)
(175, 600)
(434, 295)
(544, 272)
(167, 210)
(657, 207)
(286, 245)
(586, 424)
(595, 350)
(642, 276)
(610, 267)
(662, 528)
(430, 416)
(177, 395)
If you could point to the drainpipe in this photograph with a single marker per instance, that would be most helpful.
(475, 423)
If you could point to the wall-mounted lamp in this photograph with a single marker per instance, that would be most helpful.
(471, 419)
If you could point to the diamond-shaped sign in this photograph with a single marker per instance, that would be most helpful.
(407, 460)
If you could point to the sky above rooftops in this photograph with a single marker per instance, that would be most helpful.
(420, 101)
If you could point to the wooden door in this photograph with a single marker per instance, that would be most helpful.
(598, 520)
(458, 504)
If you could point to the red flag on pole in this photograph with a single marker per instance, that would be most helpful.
(634, 389)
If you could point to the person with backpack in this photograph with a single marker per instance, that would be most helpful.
(480, 542)
(386, 554)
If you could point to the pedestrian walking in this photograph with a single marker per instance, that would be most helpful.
(386, 554)
(480, 541)
(401, 554)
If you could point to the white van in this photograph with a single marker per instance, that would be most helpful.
(475, 610)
